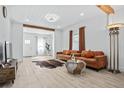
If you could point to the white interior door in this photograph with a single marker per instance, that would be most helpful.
(29, 45)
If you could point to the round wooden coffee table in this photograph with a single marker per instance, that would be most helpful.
(75, 67)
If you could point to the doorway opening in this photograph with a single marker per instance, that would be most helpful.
(37, 42)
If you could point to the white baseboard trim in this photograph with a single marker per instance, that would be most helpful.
(122, 69)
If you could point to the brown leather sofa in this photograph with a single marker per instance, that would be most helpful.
(93, 59)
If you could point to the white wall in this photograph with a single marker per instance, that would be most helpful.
(17, 40)
(4, 27)
(58, 40)
(96, 34)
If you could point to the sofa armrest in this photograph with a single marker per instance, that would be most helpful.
(59, 53)
(100, 58)
(103, 59)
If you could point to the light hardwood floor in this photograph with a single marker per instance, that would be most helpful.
(29, 75)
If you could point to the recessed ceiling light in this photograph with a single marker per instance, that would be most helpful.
(51, 17)
(81, 14)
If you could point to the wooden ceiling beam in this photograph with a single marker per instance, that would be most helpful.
(106, 8)
(38, 27)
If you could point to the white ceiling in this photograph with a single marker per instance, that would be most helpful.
(68, 14)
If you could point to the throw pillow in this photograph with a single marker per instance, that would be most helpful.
(66, 52)
(87, 54)
(83, 53)
(98, 53)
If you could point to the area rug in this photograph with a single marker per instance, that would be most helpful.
(49, 63)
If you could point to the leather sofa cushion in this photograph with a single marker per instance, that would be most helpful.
(87, 54)
(64, 57)
(98, 53)
(83, 53)
(66, 52)
(86, 59)
(69, 52)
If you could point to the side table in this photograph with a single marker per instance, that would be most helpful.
(75, 67)
(8, 72)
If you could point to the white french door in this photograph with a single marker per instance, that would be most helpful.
(41, 46)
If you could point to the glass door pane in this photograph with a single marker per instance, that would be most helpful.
(41, 46)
